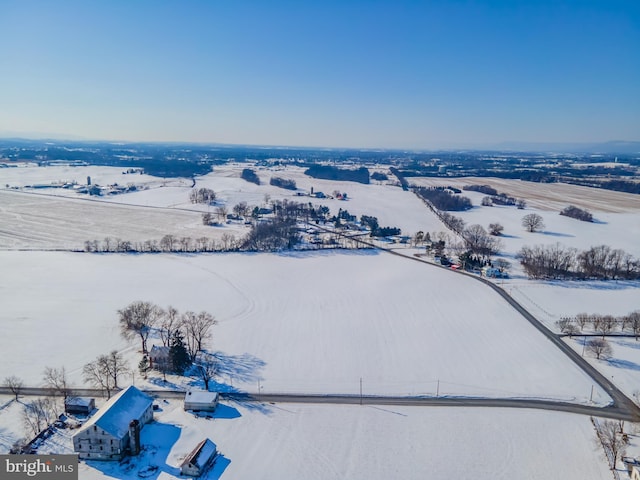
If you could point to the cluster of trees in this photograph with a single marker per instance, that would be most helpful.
(495, 198)
(601, 324)
(202, 195)
(598, 263)
(140, 319)
(220, 215)
(329, 172)
(376, 230)
(379, 176)
(250, 175)
(279, 233)
(444, 200)
(577, 213)
(480, 244)
(285, 183)
(503, 199)
(455, 224)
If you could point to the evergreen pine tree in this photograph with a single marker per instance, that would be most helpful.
(178, 354)
(144, 366)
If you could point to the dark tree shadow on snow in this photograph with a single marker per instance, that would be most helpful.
(625, 364)
(557, 234)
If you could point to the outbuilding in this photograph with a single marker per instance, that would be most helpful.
(200, 401)
(79, 405)
(200, 458)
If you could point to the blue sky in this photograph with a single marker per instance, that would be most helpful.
(396, 74)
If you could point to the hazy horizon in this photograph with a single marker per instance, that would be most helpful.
(354, 74)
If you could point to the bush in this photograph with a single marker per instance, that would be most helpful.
(577, 213)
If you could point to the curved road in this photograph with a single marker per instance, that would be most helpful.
(622, 404)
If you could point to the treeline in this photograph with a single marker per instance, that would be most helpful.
(283, 183)
(560, 262)
(403, 181)
(250, 176)
(444, 200)
(167, 244)
(577, 213)
(621, 186)
(601, 324)
(328, 172)
(486, 189)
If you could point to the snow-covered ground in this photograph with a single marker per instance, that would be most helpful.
(305, 322)
(291, 441)
(318, 322)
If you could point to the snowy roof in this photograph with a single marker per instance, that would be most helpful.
(115, 415)
(201, 396)
(79, 401)
(201, 455)
(157, 351)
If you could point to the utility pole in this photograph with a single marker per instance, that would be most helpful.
(438, 389)
(360, 390)
(591, 396)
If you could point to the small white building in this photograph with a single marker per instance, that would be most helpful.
(200, 401)
(200, 458)
(114, 430)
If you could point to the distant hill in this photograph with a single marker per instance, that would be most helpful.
(611, 147)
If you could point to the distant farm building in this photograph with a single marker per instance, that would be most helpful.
(200, 401)
(200, 458)
(492, 272)
(79, 405)
(114, 431)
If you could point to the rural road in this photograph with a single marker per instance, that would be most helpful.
(610, 411)
(621, 403)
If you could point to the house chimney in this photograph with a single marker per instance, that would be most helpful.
(134, 437)
(88, 180)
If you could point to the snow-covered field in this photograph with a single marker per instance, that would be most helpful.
(306, 322)
(319, 322)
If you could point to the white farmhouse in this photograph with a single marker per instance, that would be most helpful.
(114, 430)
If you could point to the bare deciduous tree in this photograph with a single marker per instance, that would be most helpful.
(197, 328)
(14, 384)
(582, 319)
(56, 380)
(599, 347)
(532, 222)
(37, 415)
(170, 321)
(104, 372)
(137, 320)
(634, 323)
(207, 368)
(612, 440)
